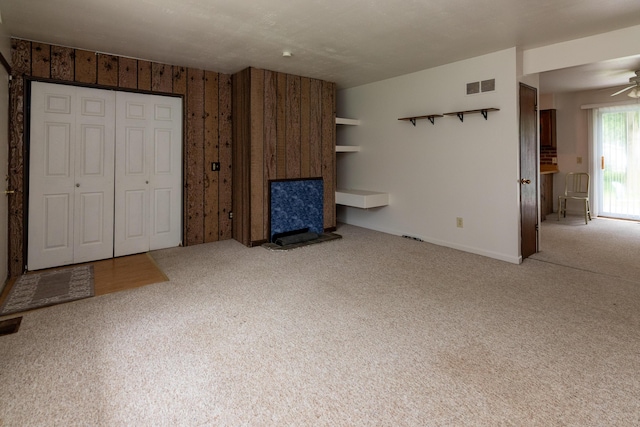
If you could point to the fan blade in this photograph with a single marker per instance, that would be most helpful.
(623, 90)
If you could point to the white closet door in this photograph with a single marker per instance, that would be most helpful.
(71, 175)
(94, 175)
(148, 193)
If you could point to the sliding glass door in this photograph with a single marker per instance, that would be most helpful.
(618, 174)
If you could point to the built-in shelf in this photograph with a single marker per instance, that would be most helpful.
(431, 117)
(347, 148)
(483, 111)
(361, 198)
(343, 121)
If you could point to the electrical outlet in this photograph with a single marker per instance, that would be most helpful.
(459, 222)
(554, 160)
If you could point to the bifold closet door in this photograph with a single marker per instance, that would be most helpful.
(148, 201)
(71, 179)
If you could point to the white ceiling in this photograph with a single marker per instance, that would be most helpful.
(350, 42)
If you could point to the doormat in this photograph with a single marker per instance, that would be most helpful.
(324, 237)
(38, 290)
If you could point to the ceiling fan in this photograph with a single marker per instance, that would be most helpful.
(635, 93)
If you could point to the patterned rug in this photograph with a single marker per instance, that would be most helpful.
(37, 290)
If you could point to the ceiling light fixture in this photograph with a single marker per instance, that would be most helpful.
(634, 93)
(287, 54)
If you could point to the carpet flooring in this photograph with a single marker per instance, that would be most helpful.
(368, 330)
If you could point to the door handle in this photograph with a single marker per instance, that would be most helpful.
(525, 181)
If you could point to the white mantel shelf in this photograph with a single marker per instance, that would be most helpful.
(343, 121)
(347, 148)
(361, 198)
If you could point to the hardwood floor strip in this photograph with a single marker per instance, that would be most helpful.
(114, 275)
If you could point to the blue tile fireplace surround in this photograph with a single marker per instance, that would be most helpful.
(296, 206)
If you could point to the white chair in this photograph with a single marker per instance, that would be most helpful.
(576, 187)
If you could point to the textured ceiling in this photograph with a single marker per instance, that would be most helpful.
(350, 42)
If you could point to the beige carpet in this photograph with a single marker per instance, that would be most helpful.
(368, 330)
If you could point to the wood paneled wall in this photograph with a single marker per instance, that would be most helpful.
(207, 106)
(284, 127)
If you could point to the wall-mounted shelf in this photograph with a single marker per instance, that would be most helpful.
(343, 121)
(431, 118)
(347, 148)
(361, 198)
(483, 111)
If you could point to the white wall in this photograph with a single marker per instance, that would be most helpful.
(435, 173)
(587, 50)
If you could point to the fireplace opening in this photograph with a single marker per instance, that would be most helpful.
(296, 209)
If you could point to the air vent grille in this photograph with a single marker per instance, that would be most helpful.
(488, 85)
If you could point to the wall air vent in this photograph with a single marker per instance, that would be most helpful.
(473, 88)
(488, 85)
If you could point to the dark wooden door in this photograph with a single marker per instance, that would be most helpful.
(528, 171)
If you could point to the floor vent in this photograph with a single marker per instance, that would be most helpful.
(417, 239)
(10, 326)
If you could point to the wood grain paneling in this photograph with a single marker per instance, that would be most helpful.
(82, 66)
(21, 67)
(225, 147)
(107, 70)
(281, 130)
(305, 117)
(161, 78)
(328, 153)
(315, 128)
(194, 162)
(62, 63)
(128, 73)
(85, 66)
(284, 128)
(211, 181)
(240, 141)
(20, 57)
(144, 75)
(270, 137)
(292, 121)
(257, 186)
(40, 60)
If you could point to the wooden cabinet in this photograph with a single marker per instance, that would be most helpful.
(546, 195)
(548, 128)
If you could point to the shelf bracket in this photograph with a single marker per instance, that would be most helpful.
(460, 116)
(432, 120)
(413, 121)
(484, 114)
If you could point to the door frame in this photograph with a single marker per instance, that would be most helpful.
(529, 173)
(4, 158)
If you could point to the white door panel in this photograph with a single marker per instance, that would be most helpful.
(51, 185)
(94, 175)
(148, 171)
(71, 175)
